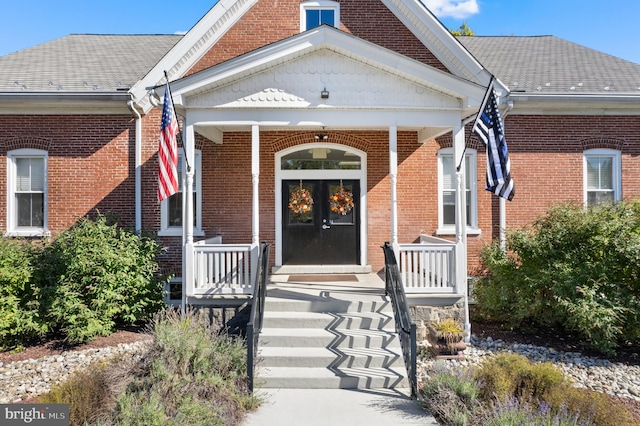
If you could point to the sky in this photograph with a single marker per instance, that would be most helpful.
(608, 26)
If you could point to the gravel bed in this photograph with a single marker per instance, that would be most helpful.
(597, 374)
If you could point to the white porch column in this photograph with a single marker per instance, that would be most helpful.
(393, 176)
(461, 222)
(187, 215)
(255, 180)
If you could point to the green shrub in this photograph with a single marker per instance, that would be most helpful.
(193, 375)
(19, 297)
(574, 269)
(96, 276)
(506, 376)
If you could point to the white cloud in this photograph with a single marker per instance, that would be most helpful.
(459, 9)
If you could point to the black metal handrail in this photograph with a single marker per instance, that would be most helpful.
(405, 327)
(254, 327)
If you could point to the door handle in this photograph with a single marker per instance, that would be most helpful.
(324, 226)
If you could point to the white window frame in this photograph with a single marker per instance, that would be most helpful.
(12, 214)
(319, 5)
(472, 173)
(616, 171)
(169, 231)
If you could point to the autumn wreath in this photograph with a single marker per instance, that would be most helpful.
(341, 202)
(300, 201)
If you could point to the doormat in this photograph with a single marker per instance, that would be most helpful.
(322, 278)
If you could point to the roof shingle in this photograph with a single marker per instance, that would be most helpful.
(84, 62)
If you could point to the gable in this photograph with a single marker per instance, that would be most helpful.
(297, 83)
(369, 20)
(233, 28)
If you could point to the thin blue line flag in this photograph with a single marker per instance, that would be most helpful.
(488, 127)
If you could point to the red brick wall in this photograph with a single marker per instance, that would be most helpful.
(90, 163)
(366, 19)
(91, 167)
(542, 149)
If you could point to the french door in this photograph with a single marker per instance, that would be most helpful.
(324, 231)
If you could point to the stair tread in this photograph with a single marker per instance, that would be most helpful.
(323, 372)
(298, 314)
(321, 332)
(266, 351)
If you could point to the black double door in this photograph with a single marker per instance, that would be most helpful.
(326, 232)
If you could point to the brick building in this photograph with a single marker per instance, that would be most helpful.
(372, 96)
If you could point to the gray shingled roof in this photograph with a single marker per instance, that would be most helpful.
(98, 63)
(84, 63)
(547, 64)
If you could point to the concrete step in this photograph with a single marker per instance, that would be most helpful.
(318, 337)
(310, 303)
(324, 357)
(331, 378)
(348, 320)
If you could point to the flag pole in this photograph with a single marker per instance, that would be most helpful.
(184, 149)
(482, 105)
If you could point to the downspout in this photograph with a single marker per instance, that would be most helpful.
(138, 165)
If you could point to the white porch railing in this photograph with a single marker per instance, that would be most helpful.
(220, 269)
(428, 267)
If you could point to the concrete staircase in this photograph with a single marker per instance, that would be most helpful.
(329, 336)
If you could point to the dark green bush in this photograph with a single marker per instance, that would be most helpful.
(96, 277)
(19, 297)
(575, 268)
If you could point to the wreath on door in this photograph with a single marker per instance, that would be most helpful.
(300, 200)
(341, 202)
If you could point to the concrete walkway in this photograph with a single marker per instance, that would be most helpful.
(337, 407)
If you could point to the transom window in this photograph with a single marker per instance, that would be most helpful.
(447, 190)
(602, 176)
(27, 192)
(320, 159)
(316, 13)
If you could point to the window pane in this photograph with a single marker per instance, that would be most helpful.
(337, 218)
(467, 175)
(29, 174)
(300, 211)
(313, 18)
(326, 16)
(599, 172)
(30, 209)
(175, 209)
(597, 197)
(320, 159)
(468, 208)
(448, 181)
(449, 207)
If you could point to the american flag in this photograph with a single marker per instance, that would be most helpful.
(168, 150)
(488, 127)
